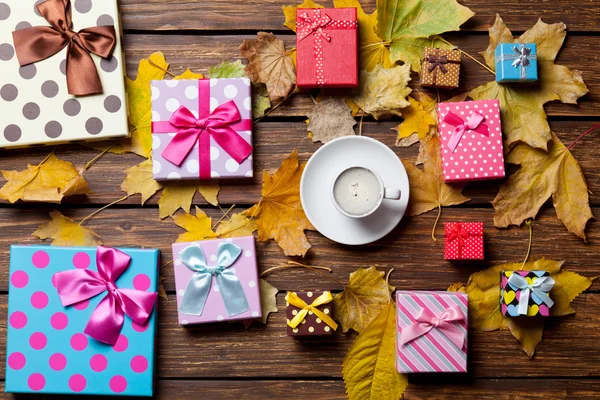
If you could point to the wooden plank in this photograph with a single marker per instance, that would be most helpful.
(224, 15)
(106, 176)
(192, 352)
(201, 52)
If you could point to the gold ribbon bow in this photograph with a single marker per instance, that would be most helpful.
(296, 301)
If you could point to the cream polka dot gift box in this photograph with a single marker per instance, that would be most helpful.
(201, 129)
(81, 320)
(54, 89)
(216, 280)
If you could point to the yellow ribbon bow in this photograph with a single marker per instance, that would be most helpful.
(293, 299)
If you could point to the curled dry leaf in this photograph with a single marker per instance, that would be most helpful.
(522, 106)
(279, 214)
(198, 227)
(369, 368)
(427, 187)
(65, 232)
(366, 294)
(330, 119)
(543, 174)
(418, 122)
(483, 288)
(382, 92)
(268, 300)
(270, 65)
(50, 181)
(411, 25)
(139, 179)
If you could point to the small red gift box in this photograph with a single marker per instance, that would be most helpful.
(326, 47)
(463, 241)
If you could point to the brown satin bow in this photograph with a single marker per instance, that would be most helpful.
(40, 42)
(437, 62)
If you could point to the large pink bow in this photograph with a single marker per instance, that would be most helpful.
(309, 26)
(474, 123)
(426, 321)
(105, 324)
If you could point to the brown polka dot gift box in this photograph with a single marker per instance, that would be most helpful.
(463, 241)
(62, 72)
(309, 313)
(441, 68)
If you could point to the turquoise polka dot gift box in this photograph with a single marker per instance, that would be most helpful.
(81, 320)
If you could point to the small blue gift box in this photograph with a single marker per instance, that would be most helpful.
(47, 349)
(516, 62)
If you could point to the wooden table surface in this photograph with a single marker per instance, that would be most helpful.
(223, 361)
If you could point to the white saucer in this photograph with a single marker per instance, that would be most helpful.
(318, 177)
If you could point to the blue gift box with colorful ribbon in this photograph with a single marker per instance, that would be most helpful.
(81, 320)
(516, 62)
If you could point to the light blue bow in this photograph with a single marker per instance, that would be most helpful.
(200, 283)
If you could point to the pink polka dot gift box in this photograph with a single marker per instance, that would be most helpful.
(471, 140)
(53, 89)
(216, 280)
(81, 320)
(463, 241)
(201, 129)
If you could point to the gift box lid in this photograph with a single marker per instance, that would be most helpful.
(47, 351)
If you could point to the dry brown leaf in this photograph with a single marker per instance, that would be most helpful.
(268, 300)
(366, 294)
(50, 181)
(269, 64)
(330, 119)
(427, 187)
(279, 214)
(198, 227)
(65, 232)
(238, 225)
(140, 180)
(555, 173)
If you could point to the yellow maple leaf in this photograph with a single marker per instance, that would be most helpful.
(198, 227)
(269, 64)
(543, 174)
(290, 12)
(139, 179)
(483, 288)
(279, 214)
(418, 122)
(382, 92)
(411, 25)
(50, 181)
(522, 106)
(238, 225)
(188, 74)
(427, 187)
(369, 368)
(140, 109)
(179, 194)
(366, 294)
(65, 232)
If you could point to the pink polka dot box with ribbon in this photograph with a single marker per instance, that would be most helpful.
(81, 320)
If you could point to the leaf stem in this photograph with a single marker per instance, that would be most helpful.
(296, 90)
(468, 55)
(103, 208)
(387, 277)
(294, 264)
(165, 264)
(99, 156)
(529, 224)
(593, 128)
(436, 222)
(161, 68)
(223, 216)
(360, 125)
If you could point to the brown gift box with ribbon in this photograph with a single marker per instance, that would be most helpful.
(441, 68)
(309, 313)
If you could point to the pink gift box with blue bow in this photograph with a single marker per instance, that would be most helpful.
(471, 140)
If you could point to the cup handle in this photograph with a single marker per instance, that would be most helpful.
(391, 193)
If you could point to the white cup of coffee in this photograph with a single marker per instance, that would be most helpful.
(358, 192)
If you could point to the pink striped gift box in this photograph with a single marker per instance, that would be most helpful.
(435, 329)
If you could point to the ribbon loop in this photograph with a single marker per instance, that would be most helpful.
(437, 62)
(540, 287)
(198, 288)
(426, 321)
(461, 233)
(293, 299)
(107, 320)
(473, 123)
(40, 42)
(310, 26)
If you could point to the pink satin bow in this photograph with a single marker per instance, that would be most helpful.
(310, 26)
(217, 125)
(426, 321)
(474, 123)
(105, 324)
